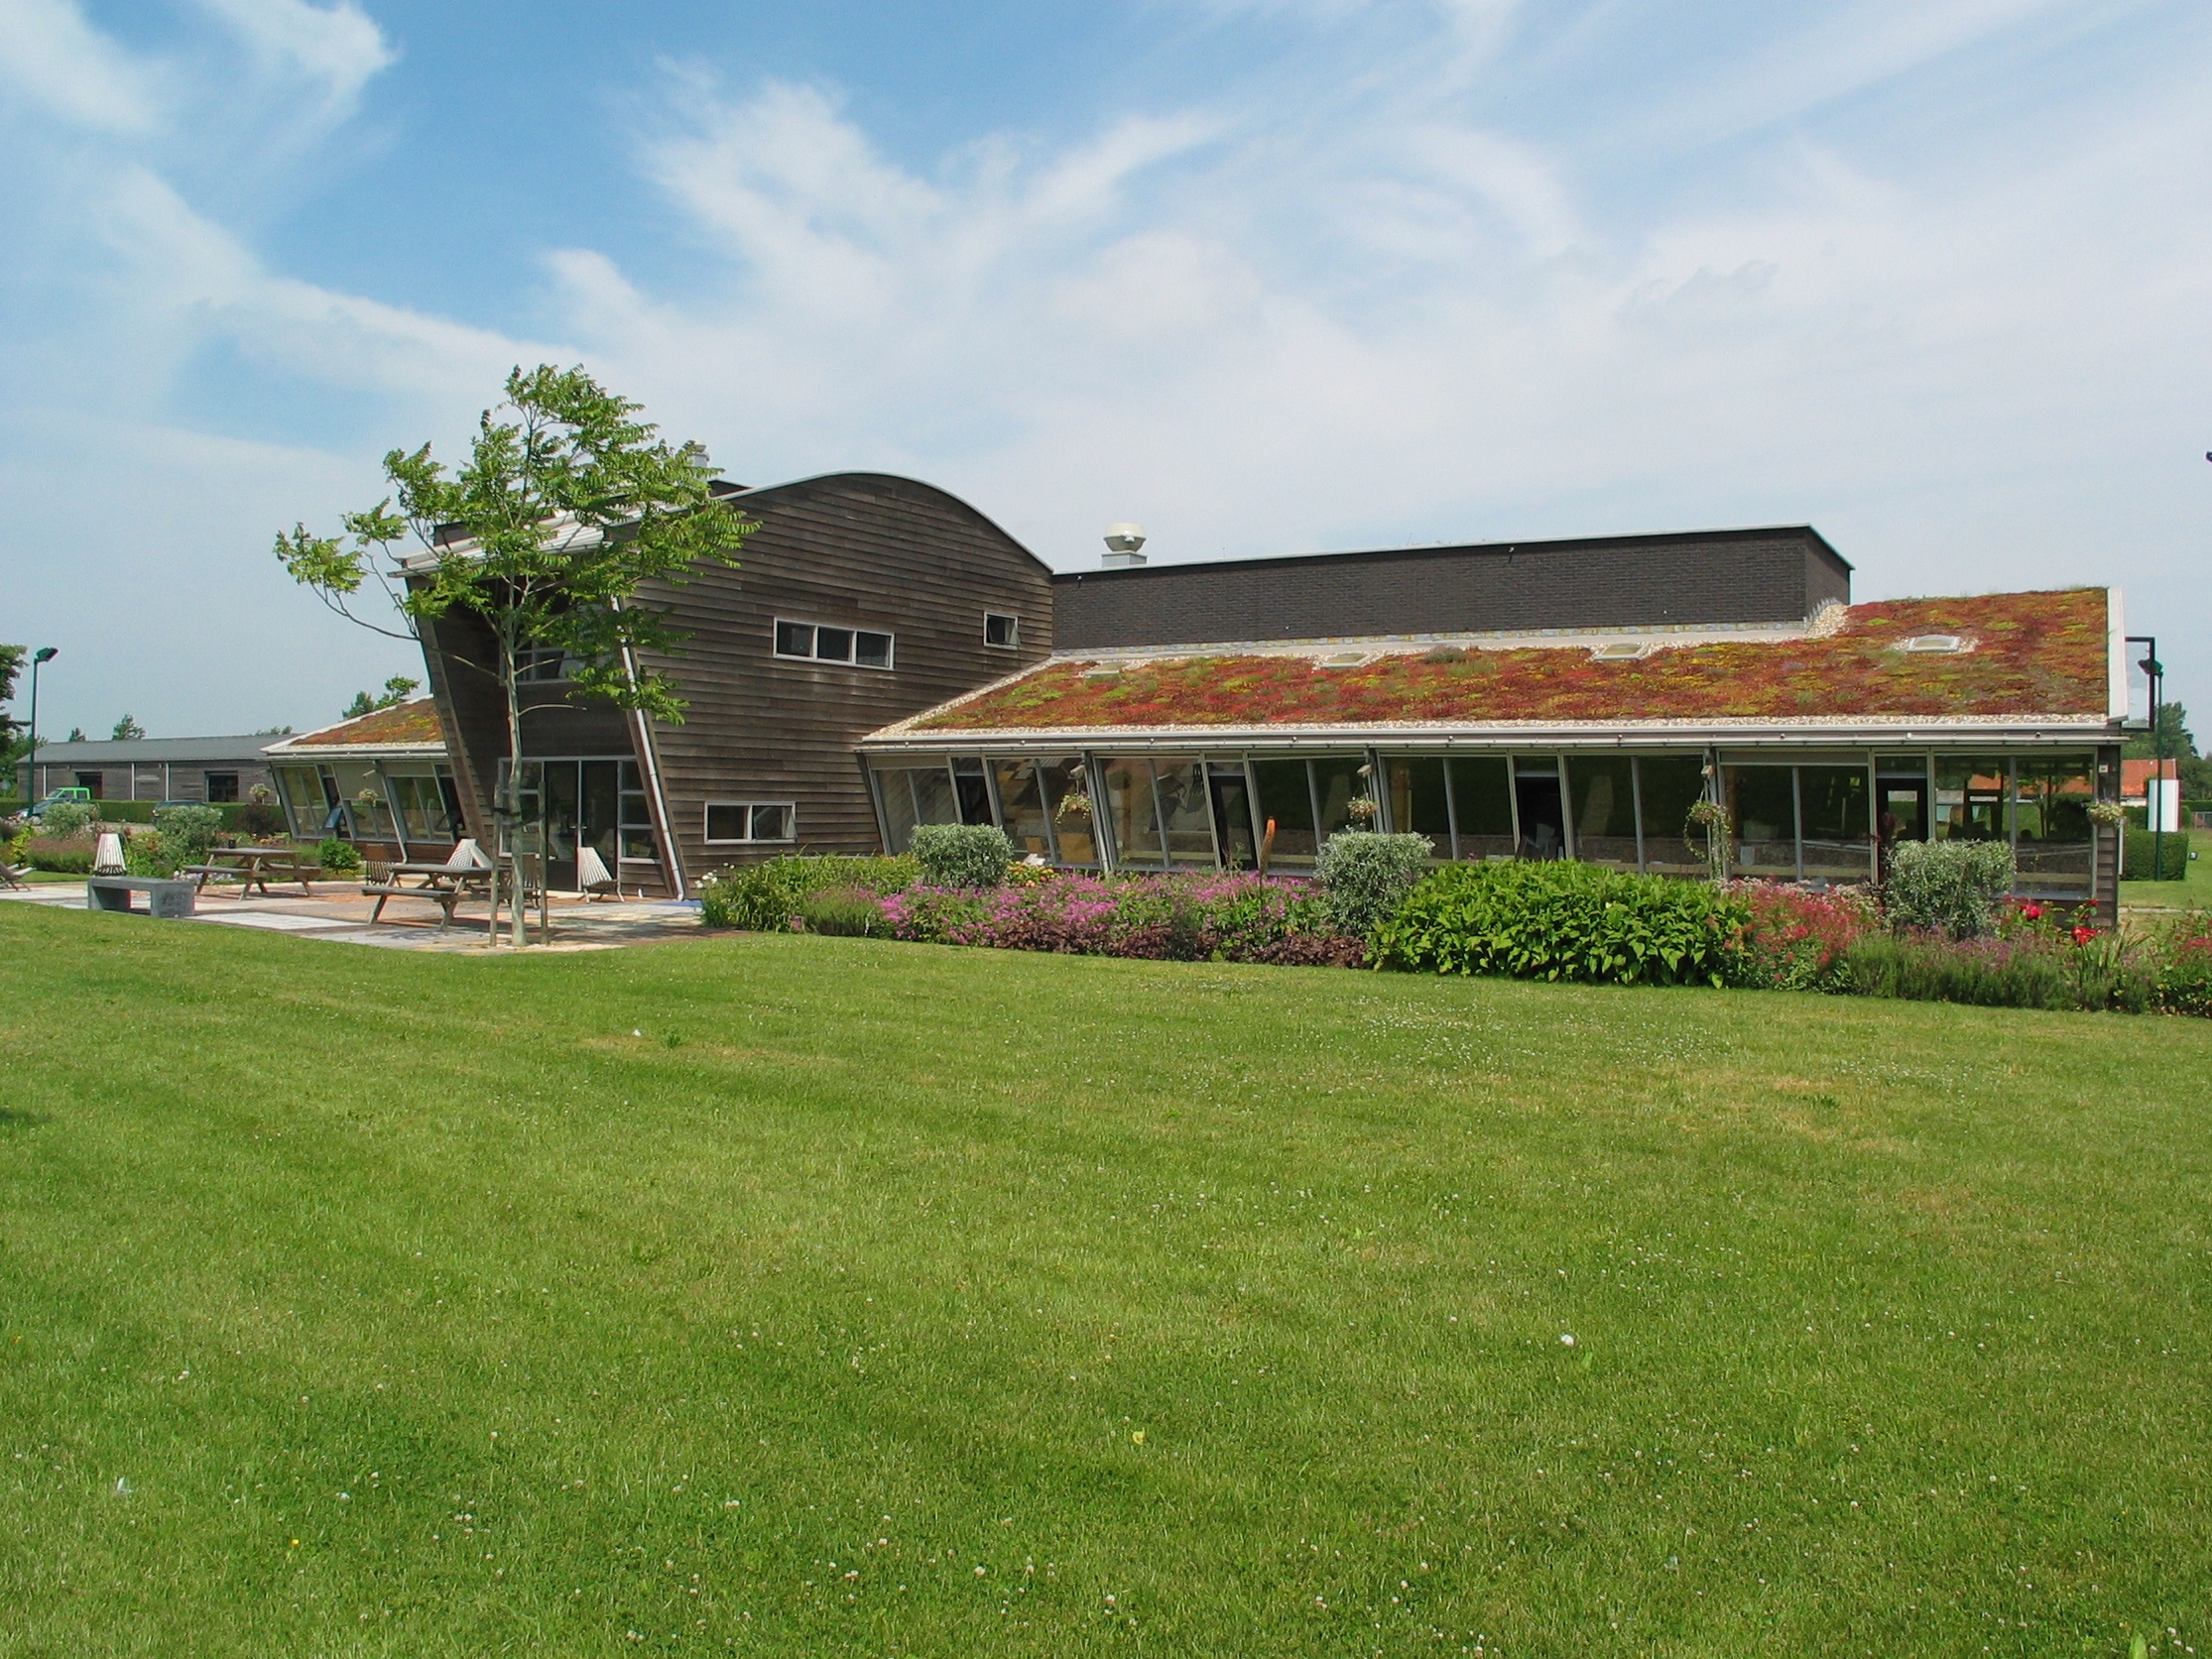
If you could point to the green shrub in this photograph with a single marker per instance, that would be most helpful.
(59, 856)
(1947, 886)
(340, 858)
(1365, 876)
(2104, 974)
(2184, 947)
(764, 897)
(147, 854)
(188, 832)
(1563, 920)
(848, 912)
(2149, 858)
(65, 819)
(962, 855)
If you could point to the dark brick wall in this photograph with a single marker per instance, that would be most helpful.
(1777, 575)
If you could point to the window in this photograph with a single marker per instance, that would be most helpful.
(93, 781)
(2055, 840)
(542, 663)
(1763, 803)
(1002, 630)
(222, 786)
(816, 643)
(742, 822)
(1602, 793)
(1668, 789)
(915, 796)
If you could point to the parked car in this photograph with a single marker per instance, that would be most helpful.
(82, 798)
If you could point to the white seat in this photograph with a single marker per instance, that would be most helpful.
(592, 879)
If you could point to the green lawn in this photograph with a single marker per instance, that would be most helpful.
(816, 1296)
(2194, 891)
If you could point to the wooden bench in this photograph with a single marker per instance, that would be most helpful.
(445, 885)
(165, 898)
(251, 866)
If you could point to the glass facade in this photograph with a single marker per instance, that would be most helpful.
(2054, 839)
(1284, 812)
(1063, 780)
(1821, 819)
(1835, 824)
(1667, 787)
(1970, 798)
(1481, 806)
(916, 795)
(1601, 794)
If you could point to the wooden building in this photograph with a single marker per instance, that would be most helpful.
(862, 600)
(887, 656)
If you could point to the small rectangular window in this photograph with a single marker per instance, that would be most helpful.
(817, 643)
(1000, 629)
(732, 823)
(222, 786)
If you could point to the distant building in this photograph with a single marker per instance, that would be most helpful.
(2153, 785)
(154, 769)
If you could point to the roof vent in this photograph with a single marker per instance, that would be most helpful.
(1934, 644)
(1123, 542)
(1620, 651)
(1347, 660)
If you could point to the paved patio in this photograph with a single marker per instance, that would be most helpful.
(338, 913)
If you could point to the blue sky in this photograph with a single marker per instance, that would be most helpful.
(1265, 275)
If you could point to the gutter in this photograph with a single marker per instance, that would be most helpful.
(2051, 731)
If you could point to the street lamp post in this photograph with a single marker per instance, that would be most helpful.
(2154, 793)
(44, 655)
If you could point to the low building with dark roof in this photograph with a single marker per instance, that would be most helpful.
(219, 768)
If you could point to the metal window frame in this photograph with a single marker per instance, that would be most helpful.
(777, 654)
(1015, 644)
(747, 839)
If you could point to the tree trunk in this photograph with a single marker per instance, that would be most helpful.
(519, 929)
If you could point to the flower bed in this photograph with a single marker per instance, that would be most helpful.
(1559, 920)
(1160, 918)
(1798, 939)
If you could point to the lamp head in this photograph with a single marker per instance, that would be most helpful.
(45, 653)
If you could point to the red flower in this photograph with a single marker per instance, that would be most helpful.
(2034, 912)
(2082, 935)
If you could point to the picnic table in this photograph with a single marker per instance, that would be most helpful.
(253, 866)
(442, 885)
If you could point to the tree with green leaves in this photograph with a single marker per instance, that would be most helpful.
(2170, 737)
(547, 537)
(126, 730)
(10, 664)
(397, 691)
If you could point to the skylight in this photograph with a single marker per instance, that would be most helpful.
(1933, 644)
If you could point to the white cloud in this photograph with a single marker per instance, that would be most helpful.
(59, 61)
(336, 46)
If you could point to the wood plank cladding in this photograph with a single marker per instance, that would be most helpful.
(1772, 576)
(860, 550)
